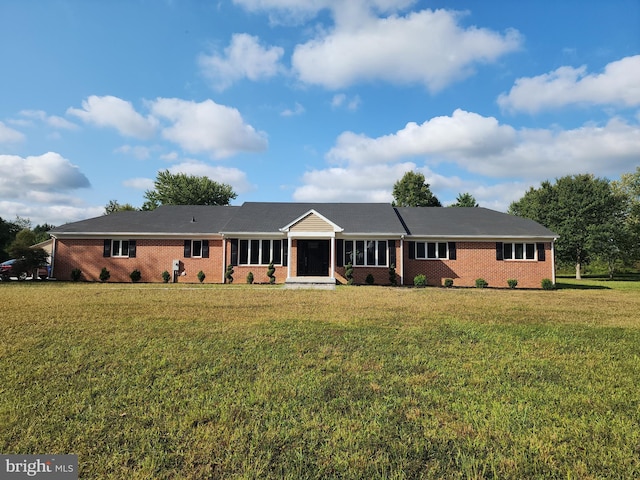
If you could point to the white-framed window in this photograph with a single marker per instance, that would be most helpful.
(432, 250)
(261, 251)
(372, 253)
(120, 248)
(519, 251)
(196, 248)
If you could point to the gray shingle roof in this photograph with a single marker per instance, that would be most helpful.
(166, 219)
(270, 217)
(352, 217)
(468, 222)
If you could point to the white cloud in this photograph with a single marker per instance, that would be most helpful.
(9, 135)
(68, 210)
(341, 100)
(243, 58)
(53, 121)
(619, 84)
(109, 111)
(207, 127)
(231, 176)
(137, 151)
(457, 135)
(139, 183)
(298, 109)
(49, 172)
(364, 168)
(351, 184)
(426, 47)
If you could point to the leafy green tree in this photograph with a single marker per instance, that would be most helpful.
(465, 200)
(413, 191)
(629, 188)
(182, 189)
(8, 232)
(28, 259)
(42, 232)
(582, 210)
(113, 206)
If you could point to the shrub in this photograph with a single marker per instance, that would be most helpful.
(393, 277)
(369, 280)
(448, 282)
(166, 276)
(481, 283)
(348, 273)
(201, 276)
(512, 282)
(76, 273)
(271, 273)
(228, 274)
(104, 274)
(135, 275)
(250, 278)
(547, 284)
(420, 280)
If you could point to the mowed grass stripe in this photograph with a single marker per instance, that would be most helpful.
(362, 382)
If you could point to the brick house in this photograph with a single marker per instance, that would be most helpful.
(308, 242)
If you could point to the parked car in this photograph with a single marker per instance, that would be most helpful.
(8, 270)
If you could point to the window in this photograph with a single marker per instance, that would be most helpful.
(196, 248)
(120, 248)
(432, 250)
(261, 252)
(519, 251)
(366, 253)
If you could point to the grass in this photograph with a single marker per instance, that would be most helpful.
(201, 381)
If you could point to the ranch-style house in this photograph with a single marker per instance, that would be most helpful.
(308, 242)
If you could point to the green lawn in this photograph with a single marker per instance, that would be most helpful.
(194, 382)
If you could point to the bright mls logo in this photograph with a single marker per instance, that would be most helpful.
(50, 467)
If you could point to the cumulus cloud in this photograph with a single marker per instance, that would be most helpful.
(231, 176)
(67, 209)
(9, 135)
(49, 173)
(110, 111)
(463, 132)
(243, 58)
(340, 100)
(466, 142)
(137, 151)
(619, 84)
(426, 47)
(139, 183)
(207, 127)
(298, 109)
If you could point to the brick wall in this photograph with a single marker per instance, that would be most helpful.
(153, 256)
(478, 260)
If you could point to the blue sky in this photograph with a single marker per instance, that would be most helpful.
(321, 100)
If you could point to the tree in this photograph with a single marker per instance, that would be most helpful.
(113, 206)
(629, 188)
(413, 191)
(582, 210)
(182, 189)
(465, 200)
(8, 232)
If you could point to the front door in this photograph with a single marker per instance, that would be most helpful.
(313, 258)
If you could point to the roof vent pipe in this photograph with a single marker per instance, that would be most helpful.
(193, 219)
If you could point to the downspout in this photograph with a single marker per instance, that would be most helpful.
(333, 256)
(53, 255)
(553, 260)
(289, 242)
(401, 260)
(224, 257)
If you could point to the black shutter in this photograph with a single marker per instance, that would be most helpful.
(285, 252)
(339, 252)
(499, 254)
(412, 250)
(452, 250)
(234, 251)
(132, 249)
(541, 255)
(392, 252)
(187, 248)
(106, 252)
(205, 248)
